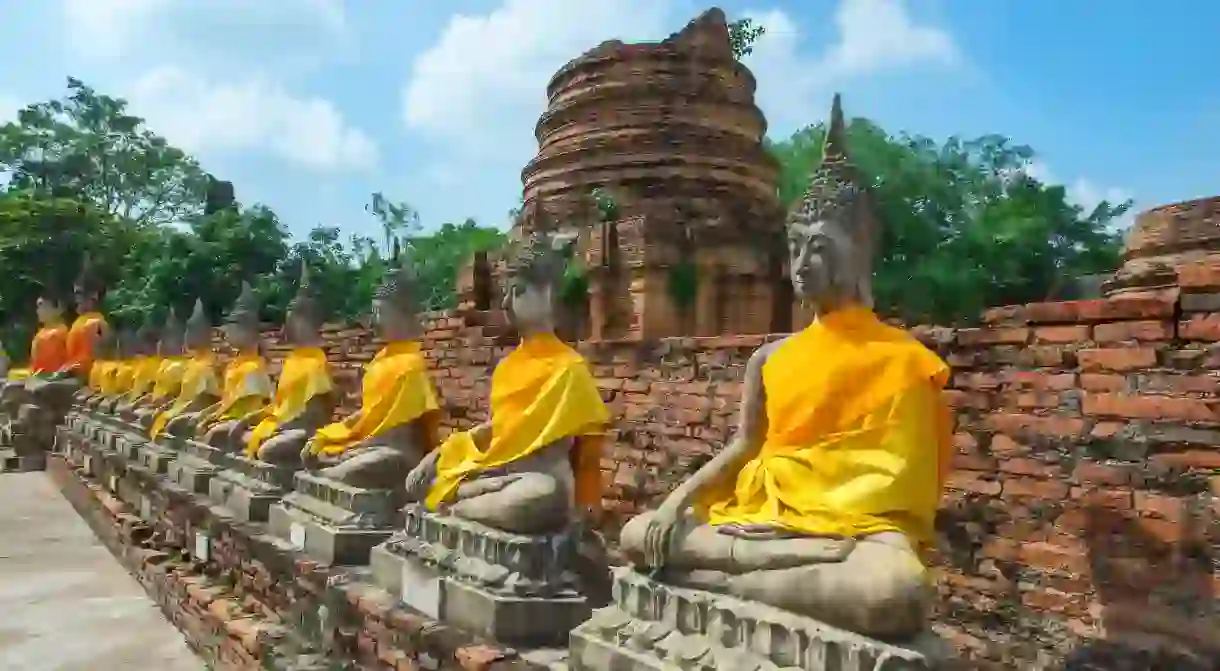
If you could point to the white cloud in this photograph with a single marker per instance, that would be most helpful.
(103, 29)
(488, 71)
(9, 106)
(871, 36)
(484, 73)
(252, 114)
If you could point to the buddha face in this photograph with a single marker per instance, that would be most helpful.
(240, 336)
(823, 262)
(530, 305)
(86, 300)
(49, 310)
(299, 328)
(394, 323)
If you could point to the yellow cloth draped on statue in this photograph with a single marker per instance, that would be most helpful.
(97, 374)
(145, 376)
(81, 338)
(858, 436)
(305, 375)
(246, 388)
(18, 374)
(169, 379)
(541, 392)
(198, 377)
(395, 390)
(124, 376)
(49, 350)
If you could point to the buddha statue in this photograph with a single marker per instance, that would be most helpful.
(199, 386)
(534, 468)
(127, 347)
(378, 445)
(49, 349)
(89, 324)
(246, 388)
(171, 371)
(305, 397)
(824, 500)
(100, 382)
(157, 346)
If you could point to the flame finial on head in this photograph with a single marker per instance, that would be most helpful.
(198, 321)
(246, 308)
(398, 283)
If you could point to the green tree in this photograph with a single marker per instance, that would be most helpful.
(743, 33)
(963, 226)
(438, 256)
(87, 146)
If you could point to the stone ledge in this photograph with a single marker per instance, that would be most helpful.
(325, 610)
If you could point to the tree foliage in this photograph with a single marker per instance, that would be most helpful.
(963, 224)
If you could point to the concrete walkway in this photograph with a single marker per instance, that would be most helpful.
(65, 602)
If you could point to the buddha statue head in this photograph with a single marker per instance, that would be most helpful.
(534, 277)
(170, 342)
(126, 344)
(108, 344)
(88, 289)
(303, 321)
(148, 338)
(395, 308)
(50, 309)
(198, 334)
(831, 229)
(4, 361)
(241, 324)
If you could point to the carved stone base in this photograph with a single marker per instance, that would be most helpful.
(157, 455)
(333, 522)
(248, 487)
(512, 588)
(196, 465)
(654, 627)
(11, 462)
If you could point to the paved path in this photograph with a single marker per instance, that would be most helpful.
(65, 602)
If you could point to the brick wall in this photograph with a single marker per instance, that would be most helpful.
(1080, 519)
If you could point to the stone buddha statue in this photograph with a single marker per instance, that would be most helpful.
(305, 396)
(171, 371)
(127, 348)
(824, 500)
(199, 386)
(158, 349)
(246, 388)
(534, 468)
(379, 444)
(49, 349)
(101, 379)
(89, 290)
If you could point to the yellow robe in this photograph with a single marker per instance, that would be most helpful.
(18, 374)
(168, 380)
(541, 392)
(858, 437)
(144, 377)
(305, 375)
(198, 378)
(246, 388)
(49, 350)
(124, 376)
(98, 373)
(81, 340)
(395, 390)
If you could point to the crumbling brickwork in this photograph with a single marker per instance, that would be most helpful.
(1081, 511)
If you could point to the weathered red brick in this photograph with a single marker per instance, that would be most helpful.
(993, 336)
(1102, 382)
(1062, 334)
(1043, 489)
(1075, 312)
(1150, 407)
(1199, 275)
(1133, 358)
(1139, 331)
(1203, 328)
(1056, 426)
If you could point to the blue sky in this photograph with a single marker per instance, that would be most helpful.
(311, 105)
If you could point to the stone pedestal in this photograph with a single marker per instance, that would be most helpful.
(196, 465)
(157, 455)
(333, 522)
(247, 487)
(512, 588)
(651, 626)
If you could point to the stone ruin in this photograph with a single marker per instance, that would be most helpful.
(1081, 524)
(668, 135)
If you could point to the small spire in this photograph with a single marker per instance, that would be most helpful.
(835, 144)
(199, 318)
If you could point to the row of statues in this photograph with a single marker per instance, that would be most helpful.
(821, 505)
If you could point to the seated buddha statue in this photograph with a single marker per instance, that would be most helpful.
(171, 372)
(379, 444)
(101, 377)
(246, 387)
(305, 396)
(128, 346)
(157, 345)
(48, 351)
(89, 325)
(534, 468)
(199, 386)
(823, 502)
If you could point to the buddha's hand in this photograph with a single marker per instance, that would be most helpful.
(658, 537)
(418, 481)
